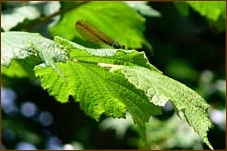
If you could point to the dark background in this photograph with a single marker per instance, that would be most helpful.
(184, 48)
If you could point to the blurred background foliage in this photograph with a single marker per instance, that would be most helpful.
(185, 40)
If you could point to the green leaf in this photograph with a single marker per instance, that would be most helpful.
(160, 89)
(114, 56)
(30, 46)
(212, 10)
(106, 20)
(98, 91)
(215, 11)
(105, 81)
(87, 78)
(182, 7)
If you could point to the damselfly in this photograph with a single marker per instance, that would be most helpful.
(92, 34)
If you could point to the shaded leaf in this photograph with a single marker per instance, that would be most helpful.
(212, 10)
(182, 7)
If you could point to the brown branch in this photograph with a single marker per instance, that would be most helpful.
(46, 18)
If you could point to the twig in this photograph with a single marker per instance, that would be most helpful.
(46, 18)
